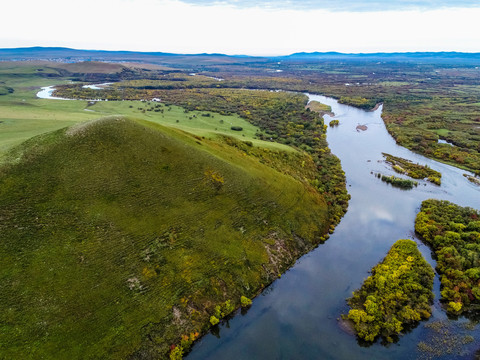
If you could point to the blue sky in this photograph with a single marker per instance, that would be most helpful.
(244, 27)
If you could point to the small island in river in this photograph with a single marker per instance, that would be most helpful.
(322, 109)
(397, 181)
(396, 295)
(416, 171)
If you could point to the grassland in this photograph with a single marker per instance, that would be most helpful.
(282, 117)
(23, 115)
(201, 123)
(119, 235)
(126, 225)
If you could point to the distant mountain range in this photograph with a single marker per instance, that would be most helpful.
(74, 55)
(61, 53)
(395, 56)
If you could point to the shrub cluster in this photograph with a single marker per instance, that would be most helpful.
(399, 182)
(416, 171)
(453, 232)
(398, 293)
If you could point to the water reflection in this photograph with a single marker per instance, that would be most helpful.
(298, 318)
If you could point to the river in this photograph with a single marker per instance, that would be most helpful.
(297, 316)
(46, 92)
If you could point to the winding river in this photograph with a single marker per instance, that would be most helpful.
(297, 316)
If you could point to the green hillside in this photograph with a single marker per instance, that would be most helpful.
(119, 235)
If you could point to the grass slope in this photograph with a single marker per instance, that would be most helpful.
(117, 236)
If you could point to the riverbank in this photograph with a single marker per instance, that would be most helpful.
(279, 249)
(166, 233)
(294, 309)
(297, 315)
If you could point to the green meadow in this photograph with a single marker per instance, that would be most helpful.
(124, 229)
(23, 115)
(116, 231)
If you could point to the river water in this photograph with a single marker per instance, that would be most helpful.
(47, 93)
(297, 316)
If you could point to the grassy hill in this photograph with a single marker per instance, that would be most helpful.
(119, 235)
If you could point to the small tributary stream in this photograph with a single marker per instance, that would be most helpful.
(297, 316)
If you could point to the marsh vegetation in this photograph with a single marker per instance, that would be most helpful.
(415, 171)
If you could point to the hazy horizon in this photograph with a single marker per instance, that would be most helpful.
(256, 28)
(240, 55)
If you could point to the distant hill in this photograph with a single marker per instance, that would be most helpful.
(435, 57)
(118, 235)
(74, 55)
(67, 53)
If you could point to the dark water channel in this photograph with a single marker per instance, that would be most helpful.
(296, 317)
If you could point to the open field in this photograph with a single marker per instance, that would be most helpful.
(23, 115)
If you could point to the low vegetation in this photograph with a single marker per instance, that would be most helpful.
(397, 181)
(472, 179)
(447, 339)
(281, 116)
(319, 107)
(453, 232)
(416, 171)
(396, 296)
(123, 237)
(333, 123)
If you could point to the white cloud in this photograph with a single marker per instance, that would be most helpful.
(173, 26)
